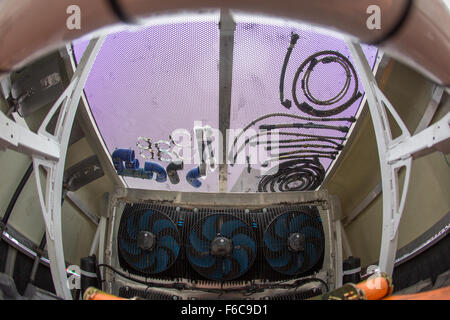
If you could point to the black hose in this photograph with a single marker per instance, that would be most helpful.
(309, 125)
(278, 114)
(172, 171)
(294, 38)
(303, 146)
(306, 174)
(297, 157)
(335, 144)
(309, 137)
(316, 152)
(311, 62)
(16, 194)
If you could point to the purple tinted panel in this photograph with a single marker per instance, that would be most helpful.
(259, 52)
(165, 77)
(151, 82)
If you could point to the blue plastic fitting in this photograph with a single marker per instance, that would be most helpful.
(192, 177)
(161, 174)
(122, 155)
(126, 155)
(132, 165)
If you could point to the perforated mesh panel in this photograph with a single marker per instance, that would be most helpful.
(259, 52)
(164, 77)
(153, 81)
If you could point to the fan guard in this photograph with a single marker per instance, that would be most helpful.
(294, 242)
(148, 241)
(221, 247)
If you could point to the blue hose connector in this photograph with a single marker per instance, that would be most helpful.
(119, 156)
(192, 177)
(133, 165)
(161, 174)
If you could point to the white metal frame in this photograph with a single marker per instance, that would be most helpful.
(49, 152)
(394, 153)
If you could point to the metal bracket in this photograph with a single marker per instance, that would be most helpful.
(227, 26)
(48, 151)
(50, 202)
(393, 203)
(394, 154)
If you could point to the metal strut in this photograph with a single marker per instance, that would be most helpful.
(50, 201)
(394, 153)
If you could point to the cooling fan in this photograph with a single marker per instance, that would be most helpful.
(294, 242)
(221, 247)
(148, 241)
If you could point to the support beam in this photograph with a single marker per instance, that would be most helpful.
(434, 138)
(424, 123)
(95, 241)
(363, 205)
(339, 260)
(345, 243)
(227, 27)
(10, 261)
(14, 136)
(82, 207)
(381, 64)
(428, 116)
(50, 201)
(393, 200)
(102, 242)
(89, 126)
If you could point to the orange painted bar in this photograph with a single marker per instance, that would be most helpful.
(95, 294)
(438, 294)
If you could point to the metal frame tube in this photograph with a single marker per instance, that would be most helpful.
(50, 201)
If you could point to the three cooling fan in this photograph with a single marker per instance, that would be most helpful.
(221, 247)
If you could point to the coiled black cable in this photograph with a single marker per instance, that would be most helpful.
(294, 175)
(309, 64)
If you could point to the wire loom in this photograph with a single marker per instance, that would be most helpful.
(294, 175)
(325, 57)
(302, 169)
